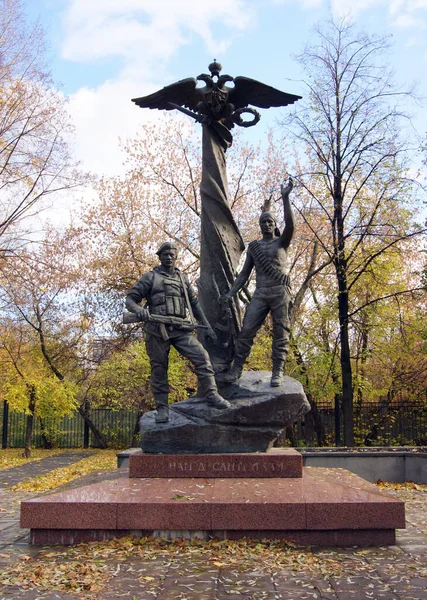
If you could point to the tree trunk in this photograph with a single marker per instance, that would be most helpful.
(135, 435)
(290, 435)
(319, 428)
(30, 422)
(363, 358)
(99, 438)
(345, 359)
(341, 273)
(47, 444)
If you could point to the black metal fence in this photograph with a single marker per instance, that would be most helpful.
(116, 426)
(381, 423)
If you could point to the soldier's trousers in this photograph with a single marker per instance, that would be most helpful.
(187, 345)
(276, 300)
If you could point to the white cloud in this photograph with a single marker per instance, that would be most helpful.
(404, 13)
(144, 35)
(303, 3)
(409, 21)
(352, 10)
(409, 14)
(148, 30)
(101, 116)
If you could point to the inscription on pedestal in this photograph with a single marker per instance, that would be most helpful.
(190, 468)
(275, 463)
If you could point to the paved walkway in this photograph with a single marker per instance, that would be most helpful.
(9, 477)
(393, 573)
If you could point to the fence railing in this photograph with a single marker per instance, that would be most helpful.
(380, 424)
(116, 426)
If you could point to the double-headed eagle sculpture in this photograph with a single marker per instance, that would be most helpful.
(216, 102)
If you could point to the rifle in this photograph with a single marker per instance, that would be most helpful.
(130, 317)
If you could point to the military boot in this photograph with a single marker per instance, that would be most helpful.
(217, 401)
(162, 406)
(235, 373)
(277, 373)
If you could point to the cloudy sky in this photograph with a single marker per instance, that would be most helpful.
(105, 52)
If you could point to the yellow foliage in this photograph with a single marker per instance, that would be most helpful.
(123, 379)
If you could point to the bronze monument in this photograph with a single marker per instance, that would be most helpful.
(218, 107)
(272, 293)
(252, 415)
(169, 299)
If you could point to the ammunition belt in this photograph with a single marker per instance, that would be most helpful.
(261, 260)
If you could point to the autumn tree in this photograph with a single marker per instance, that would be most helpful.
(26, 381)
(43, 307)
(35, 161)
(355, 171)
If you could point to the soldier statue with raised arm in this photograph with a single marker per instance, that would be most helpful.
(170, 300)
(272, 293)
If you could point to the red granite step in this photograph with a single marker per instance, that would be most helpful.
(325, 504)
(277, 462)
(334, 538)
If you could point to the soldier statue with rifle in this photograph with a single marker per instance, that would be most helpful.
(272, 293)
(169, 299)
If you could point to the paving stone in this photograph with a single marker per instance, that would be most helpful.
(190, 583)
(259, 595)
(245, 583)
(357, 582)
(401, 581)
(307, 595)
(301, 582)
(412, 595)
(132, 594)
(9, 477)
(366, 595)
(386, 573)
(413, 549)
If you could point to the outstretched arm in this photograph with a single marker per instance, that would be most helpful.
(288, 231)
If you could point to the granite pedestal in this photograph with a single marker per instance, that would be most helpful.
(260, 495)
